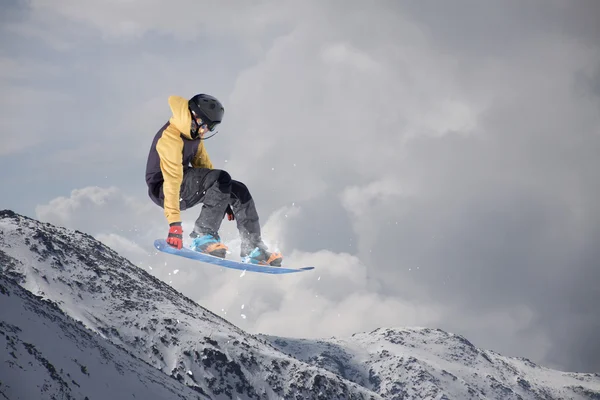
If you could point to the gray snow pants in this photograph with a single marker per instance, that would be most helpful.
(215, 189)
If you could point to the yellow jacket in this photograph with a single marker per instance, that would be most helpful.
(176, 150)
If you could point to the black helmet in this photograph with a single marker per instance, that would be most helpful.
(208, 108)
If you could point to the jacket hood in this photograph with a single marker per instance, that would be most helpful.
(181, 119)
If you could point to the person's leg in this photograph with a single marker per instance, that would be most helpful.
(244, 211)
(212, 188)
(246, 216)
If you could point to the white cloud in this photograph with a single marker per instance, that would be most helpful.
(322, 106)
(360, 200)
(17, 104)
(99, 210)
(184, 19)
(308, 315)
(334, 299)
(15, 68)
(126, 247)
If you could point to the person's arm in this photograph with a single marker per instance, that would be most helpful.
(170, 150)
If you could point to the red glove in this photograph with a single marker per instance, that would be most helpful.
(175, 237)
(229, 213)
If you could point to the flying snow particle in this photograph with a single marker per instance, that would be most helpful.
(243, 316)
(189, 373)
(243, 273)
(242, 306)
(150, 267)
(319, 279)
(175, 272)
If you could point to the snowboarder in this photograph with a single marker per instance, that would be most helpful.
(180, 175)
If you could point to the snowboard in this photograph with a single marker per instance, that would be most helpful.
(161, 245)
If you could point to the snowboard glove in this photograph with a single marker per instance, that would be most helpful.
(229, 213)
(175, 237)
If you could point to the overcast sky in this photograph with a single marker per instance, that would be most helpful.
(438, 162)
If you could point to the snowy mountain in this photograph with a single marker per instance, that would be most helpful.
(89, 317)
(422, 363)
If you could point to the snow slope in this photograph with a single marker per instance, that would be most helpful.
(49, 355)
(155, 326)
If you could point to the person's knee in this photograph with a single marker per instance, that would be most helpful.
(241, 191)
(223, 181)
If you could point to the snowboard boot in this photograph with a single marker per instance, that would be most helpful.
(209, 244)
(261, 256)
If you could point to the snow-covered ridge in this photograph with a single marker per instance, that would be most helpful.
(419, 363)
(213, 359)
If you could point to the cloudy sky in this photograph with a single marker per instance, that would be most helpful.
(437, 162)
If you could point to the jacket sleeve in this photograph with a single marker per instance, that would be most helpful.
(202, 160)
(170, 150)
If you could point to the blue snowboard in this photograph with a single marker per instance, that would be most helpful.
(162, 245)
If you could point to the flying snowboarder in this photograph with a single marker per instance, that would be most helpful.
(180, 175)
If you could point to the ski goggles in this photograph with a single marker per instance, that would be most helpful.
(201, 123)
